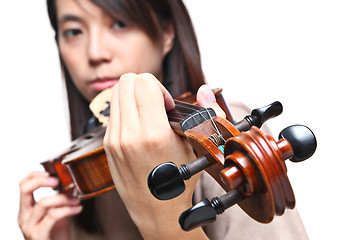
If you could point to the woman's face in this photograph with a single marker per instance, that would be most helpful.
(97, 48)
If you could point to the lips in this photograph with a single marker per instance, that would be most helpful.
(103, 83)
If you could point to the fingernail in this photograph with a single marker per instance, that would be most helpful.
(77, 209)
(74, 200)
(208, 94)
(52, 180)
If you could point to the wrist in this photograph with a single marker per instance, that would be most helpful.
(159, 219)
(162, 222)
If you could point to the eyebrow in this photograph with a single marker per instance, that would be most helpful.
(68, 17)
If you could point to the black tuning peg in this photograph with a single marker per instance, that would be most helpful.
(205, 211)
(259, 116)
(302, 141)
(166, 181)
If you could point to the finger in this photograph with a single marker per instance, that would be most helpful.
(111, 139)
(113, 127)
(41, 208)
(206, 98)
(53, 216)
(168, 100)
(153, 102)
(128, 105)
(35, 174)
(31, 183)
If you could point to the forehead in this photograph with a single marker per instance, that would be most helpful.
(80, 8)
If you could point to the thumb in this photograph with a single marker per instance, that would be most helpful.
(206, 98)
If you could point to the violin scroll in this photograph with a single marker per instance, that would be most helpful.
(166, 181)
(255, 173)
(248, 165)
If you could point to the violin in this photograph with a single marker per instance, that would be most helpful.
(82, 168)
(248, 165)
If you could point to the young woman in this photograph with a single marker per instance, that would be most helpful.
(146, 49)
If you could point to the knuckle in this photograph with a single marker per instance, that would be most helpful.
(52, 215)
(44, 203)
(146, 76)
(116, 89)
(155, 141)
(106, 142)
(23, 188)
(20, 222)
(127, 143)
(146, 79)
(110, 146)
(22, 185)
(34, 234)
(128, 76)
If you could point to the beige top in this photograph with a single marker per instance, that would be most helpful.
(233, 224)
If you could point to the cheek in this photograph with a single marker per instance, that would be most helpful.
(146, 57)
(71, 59)
(73, 62)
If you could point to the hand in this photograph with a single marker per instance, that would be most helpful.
(45, 219)
(138, 138)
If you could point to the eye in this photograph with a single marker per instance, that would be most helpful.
(71, 32)
(119, 25)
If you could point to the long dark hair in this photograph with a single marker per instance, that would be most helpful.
(182, 69)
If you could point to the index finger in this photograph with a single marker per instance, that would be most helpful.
(153, 96)
(32, 182)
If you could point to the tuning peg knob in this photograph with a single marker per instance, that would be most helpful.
(259, 116)
(205, 211)
(200, 214)
(165, 181)
(302, 141)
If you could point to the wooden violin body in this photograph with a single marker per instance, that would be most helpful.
(87, 174)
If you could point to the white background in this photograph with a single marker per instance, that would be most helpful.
(258, 51)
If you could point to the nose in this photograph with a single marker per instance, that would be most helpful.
(98, 49)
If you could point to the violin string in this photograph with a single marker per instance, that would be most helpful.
(212, 124)
(192, 108)
(188, 106)
(184, 105)
(208, 135)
